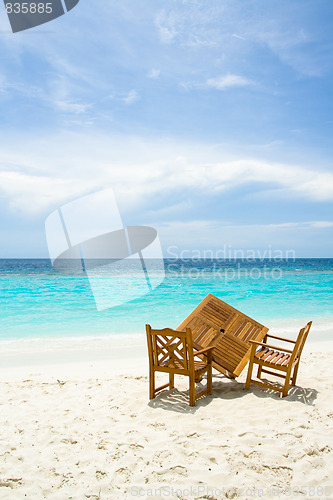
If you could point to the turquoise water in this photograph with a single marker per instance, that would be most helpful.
(38, 302)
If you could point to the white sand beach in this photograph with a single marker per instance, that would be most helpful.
(76, 423)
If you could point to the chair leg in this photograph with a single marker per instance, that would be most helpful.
(151, 384)
(285, 388)
(286, 384)
(209, 379)
(294, 377)
(249, 372)
(171, 380)
(259, 371)
(192, 390)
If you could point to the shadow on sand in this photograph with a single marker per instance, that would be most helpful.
(224, 388)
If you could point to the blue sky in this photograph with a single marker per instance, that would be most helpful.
(212, 122)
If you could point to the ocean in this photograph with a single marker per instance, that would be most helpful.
(38, 302)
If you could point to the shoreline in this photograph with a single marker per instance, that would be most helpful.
(102, 356)
(322, 329)
(77, 357)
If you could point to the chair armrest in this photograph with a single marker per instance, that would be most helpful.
(202, 351)
(280, 338)
(255, 343)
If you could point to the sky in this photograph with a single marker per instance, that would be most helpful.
(212, 121)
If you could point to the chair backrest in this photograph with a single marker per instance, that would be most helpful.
(302, 336)
(170, 349)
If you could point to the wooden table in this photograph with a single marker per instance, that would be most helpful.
(232, 347)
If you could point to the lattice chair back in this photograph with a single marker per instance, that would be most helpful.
(172, 349)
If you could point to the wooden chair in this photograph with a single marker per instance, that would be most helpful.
(171, 351)
(229, 329)
(278, 359)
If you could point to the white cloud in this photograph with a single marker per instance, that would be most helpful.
(289, 34)
(52, 169)
(228, 81)
(33, 193)
(154, 74)
(194, 25)
(292, 225)
(322, 224)
(240, 37)
(222, 82)
(213, 227)
(291, 46)
(15, 87)
(131, 97)
(76, 108)
(317, 187)
(165, 25)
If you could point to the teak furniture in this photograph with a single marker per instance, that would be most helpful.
(232, 346)
(278, 359)
(171, 352)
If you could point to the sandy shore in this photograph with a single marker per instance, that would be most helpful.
(76, 423)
